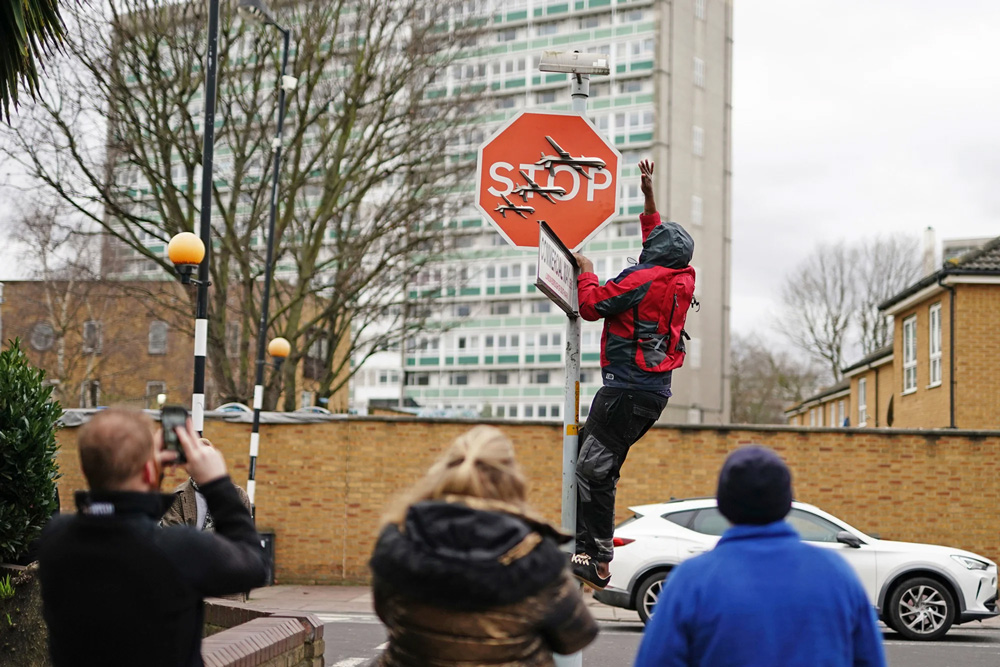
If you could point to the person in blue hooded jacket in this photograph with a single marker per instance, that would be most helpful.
(761, 597)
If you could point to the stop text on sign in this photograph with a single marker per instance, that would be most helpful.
(509, 178)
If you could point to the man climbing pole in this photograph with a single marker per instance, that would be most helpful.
(644, 310)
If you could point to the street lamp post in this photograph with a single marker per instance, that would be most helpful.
(260, 11)
(208, 153)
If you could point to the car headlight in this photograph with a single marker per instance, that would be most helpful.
(971, 563)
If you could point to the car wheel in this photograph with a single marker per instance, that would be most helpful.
(648, 595)
(921, 608)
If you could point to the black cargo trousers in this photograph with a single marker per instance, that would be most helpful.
(617, 419)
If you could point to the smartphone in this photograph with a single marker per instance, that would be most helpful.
(173, 417)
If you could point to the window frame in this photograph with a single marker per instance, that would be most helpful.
(909, 354)
(934, 345)
(157, 350)
(862, 401)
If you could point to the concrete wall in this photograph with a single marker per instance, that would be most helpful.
(321, 487)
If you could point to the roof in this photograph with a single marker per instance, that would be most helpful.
(982, 261)
(843, 385)
(871, 358)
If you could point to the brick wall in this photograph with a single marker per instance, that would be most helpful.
(321, 487)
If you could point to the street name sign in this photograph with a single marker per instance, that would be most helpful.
(556, 270)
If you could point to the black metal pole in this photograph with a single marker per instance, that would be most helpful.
(208, 150)
(258, 390)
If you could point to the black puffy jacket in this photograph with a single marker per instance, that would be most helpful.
(467, 581)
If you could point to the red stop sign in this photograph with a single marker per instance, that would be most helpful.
(548, 166)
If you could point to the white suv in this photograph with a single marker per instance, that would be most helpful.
(919, 590)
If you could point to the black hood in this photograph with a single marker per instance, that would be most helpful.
(668, 245)
(453, 555)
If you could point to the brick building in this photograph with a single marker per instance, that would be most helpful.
(101, 342)
(110, 342)
(942, 369)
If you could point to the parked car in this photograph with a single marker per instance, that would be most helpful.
(918, 590)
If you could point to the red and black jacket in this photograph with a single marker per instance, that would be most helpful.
(644, 309)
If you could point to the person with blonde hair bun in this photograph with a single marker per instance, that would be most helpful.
(464, 573)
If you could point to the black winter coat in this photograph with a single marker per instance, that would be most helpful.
(119, 590)
(468, 582)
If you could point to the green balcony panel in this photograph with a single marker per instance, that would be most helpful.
(491, 290)
(490, 392)
(598, 3)
(514, 83)
(621, 69)
(469, 291)
(553, 391)
(411, 362)
(510, 289)
(430, 361)
(448, 361)
(543, 358)
(510, 393)
(622, 245)
(555, 78)
(531, 289)
(635, 210)
(642, 66)
(529, 358)
(450, 393)
(532, 319)
(531, 391)
(472, 359)
(507, 359)
(601, 103)
(517, 16)
(591, 356)
(558, 9)
(624, 30)
(639, 137)
(487, 360)
(603, 33)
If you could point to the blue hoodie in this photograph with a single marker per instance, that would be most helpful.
(762, 598)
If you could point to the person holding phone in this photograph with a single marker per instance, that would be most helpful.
(116, 588)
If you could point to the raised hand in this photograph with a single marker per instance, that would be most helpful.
(646, 182)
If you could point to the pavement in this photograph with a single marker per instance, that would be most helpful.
(327, 600)
(358, 600)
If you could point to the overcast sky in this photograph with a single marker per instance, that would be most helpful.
(852, 118)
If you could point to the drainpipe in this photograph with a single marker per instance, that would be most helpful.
(951, 350)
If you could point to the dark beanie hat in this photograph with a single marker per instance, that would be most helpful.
(755, 486)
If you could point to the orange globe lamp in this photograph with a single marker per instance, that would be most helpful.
(186, 251)
(279, 348)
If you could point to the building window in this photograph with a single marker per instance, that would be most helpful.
(543, 411)
(698, 141)
(462, 310)
(697, 210)
(418, 379)
(554, 411)
(153, 390)
(42, 336)
(538, 377)
(699, 9)
(529, 411)
(693, 356)
(306, 399)
(90, 393)
(232, 339)
(458, 379)
(314, 363)
(500, 309)
(862, 401)
(157, 337)
(935, 344)
(500, 378)
(910, 354)
(92, 337)
(699, 72)
(841, 413)
(812, 416)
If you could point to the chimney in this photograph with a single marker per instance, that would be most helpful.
(930, 251)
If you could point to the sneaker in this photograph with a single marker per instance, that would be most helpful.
(585, 569)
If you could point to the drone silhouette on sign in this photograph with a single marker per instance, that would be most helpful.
(577, 163)
(545, 192)
(510, 206)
